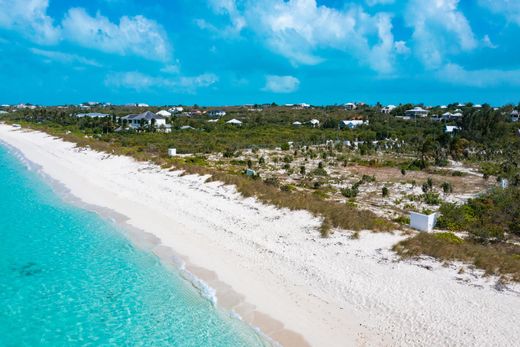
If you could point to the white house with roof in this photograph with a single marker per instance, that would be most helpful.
(147, 119)
(234, 122)
(297, 124)
(351, 124)
(216, 113)
(514, 116)
(314, 123)
(388, 109)
(350, 106)
(164, 113)
(416, 112)
(451, 129)
(176, 109)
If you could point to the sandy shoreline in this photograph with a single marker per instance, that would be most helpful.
(272, 268)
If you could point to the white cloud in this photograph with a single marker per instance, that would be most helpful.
(508, 8)
(281, 84)
(229, 8)
(487, 42)
(64, 57)
(440, 29)
(379, 2)
(133, 35)
(30, 18)
(139, 81)
(297, 29)
(483, 78)
(401, 47)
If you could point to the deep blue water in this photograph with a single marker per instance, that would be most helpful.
(71, 278)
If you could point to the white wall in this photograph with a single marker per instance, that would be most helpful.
(422, 222)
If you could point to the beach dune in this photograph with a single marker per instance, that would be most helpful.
(272, 267)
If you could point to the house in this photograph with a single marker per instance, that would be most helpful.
(423, 222)
(456, 115)
(388, 109)
(142, 105)
(172, 152)
(297, 124)
(234, 122)
(177, 109)
(477, 106)
(351, 124)
(447, 116)
(314, 123)
(350, 106)
(3, 112)
(443, 107)
(514, 116)
(416, 112)
(186, 127)
(216, 113)
(147, 119)
(164, 113)
(92, 115)
(451, 129)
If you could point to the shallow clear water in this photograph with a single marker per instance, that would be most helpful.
(70, 278)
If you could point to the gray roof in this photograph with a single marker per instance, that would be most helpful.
(92, 115)
(145, 115)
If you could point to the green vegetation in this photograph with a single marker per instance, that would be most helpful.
(488, 141)
(500, 259)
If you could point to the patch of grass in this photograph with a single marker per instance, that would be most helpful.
(502, 259)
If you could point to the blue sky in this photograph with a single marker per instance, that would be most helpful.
(225, 52)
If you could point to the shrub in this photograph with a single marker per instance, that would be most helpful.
(285, 146)
(447, 187)
(302, 170)
(350, 192)
(384, 192)
(431, 198)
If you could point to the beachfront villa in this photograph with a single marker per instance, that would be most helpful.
(416, 112)
(147, 119)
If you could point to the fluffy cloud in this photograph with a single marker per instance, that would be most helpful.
(30, 18)
(133, 35)
(379, 2)
(439, 29)
(508, 8)
(297, 29)
(139, 81)
(281, 84)
(483, 78)
(64, 57)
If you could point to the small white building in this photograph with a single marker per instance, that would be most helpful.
(416, 112)
(164, 113)
(388, 109)
(351, 124)
(176, 109)
(234, 122)
(514, 116)
(297, 124)
(350, 106)
(314, 123)
(423, 222)
(451, 129)
(216, 113)
(172, 152)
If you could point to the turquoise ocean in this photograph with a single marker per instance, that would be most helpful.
(70, 278)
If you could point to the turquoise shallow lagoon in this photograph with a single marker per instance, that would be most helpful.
(70, 278)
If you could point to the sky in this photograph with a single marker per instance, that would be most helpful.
(230, 52)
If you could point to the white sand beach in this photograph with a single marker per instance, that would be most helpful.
(272, 267)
